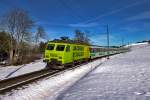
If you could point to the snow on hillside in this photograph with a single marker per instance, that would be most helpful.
(137, 44)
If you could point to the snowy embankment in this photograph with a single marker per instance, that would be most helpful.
(12, 71)
(124, 77)
(52, 86)
(136, 46)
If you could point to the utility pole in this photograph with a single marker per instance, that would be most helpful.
(107, 41)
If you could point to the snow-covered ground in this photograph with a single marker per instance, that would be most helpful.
(137, 45)
(11, 71)
(50, 87)
(124, 77)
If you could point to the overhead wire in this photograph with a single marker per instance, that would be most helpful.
(113, 12)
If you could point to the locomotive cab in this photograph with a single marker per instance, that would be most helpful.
(57, 54)
(54, 54)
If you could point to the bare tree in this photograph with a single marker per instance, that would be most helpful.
(78, 36)
(86, 39)
(81, 37)
(39, 34)
(17, 22)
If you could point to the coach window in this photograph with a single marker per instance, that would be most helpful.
(68, 49)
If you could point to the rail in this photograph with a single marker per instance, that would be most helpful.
(14, 82)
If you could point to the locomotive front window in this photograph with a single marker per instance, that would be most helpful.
(50, 46)
(60, 48)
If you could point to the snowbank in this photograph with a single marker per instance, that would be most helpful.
(21, 69)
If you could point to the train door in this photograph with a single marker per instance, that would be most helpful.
(68, 54)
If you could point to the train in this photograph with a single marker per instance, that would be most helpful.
(58, 55)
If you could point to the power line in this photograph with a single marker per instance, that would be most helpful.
(113, 12)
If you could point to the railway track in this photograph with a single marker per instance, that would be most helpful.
(18, 81)
(9, 84)
(14, 82)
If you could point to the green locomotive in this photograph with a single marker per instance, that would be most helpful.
(58, 55)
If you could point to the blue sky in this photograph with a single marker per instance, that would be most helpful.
(127, 19)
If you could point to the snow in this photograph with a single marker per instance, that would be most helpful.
(50, 87)
(137, 44)
(123, 77)
(21, 69)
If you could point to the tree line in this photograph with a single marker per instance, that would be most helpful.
(16, 35)
(18, 40)
(79, 37)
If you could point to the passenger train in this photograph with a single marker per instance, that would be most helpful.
(57, 55)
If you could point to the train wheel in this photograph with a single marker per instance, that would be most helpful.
(73, 64)
(59, 67)
(48, 66)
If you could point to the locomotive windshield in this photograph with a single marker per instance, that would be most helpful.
(50, 46)
(60, 48)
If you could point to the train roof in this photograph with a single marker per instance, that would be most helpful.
(77, 43)
(68, 42)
